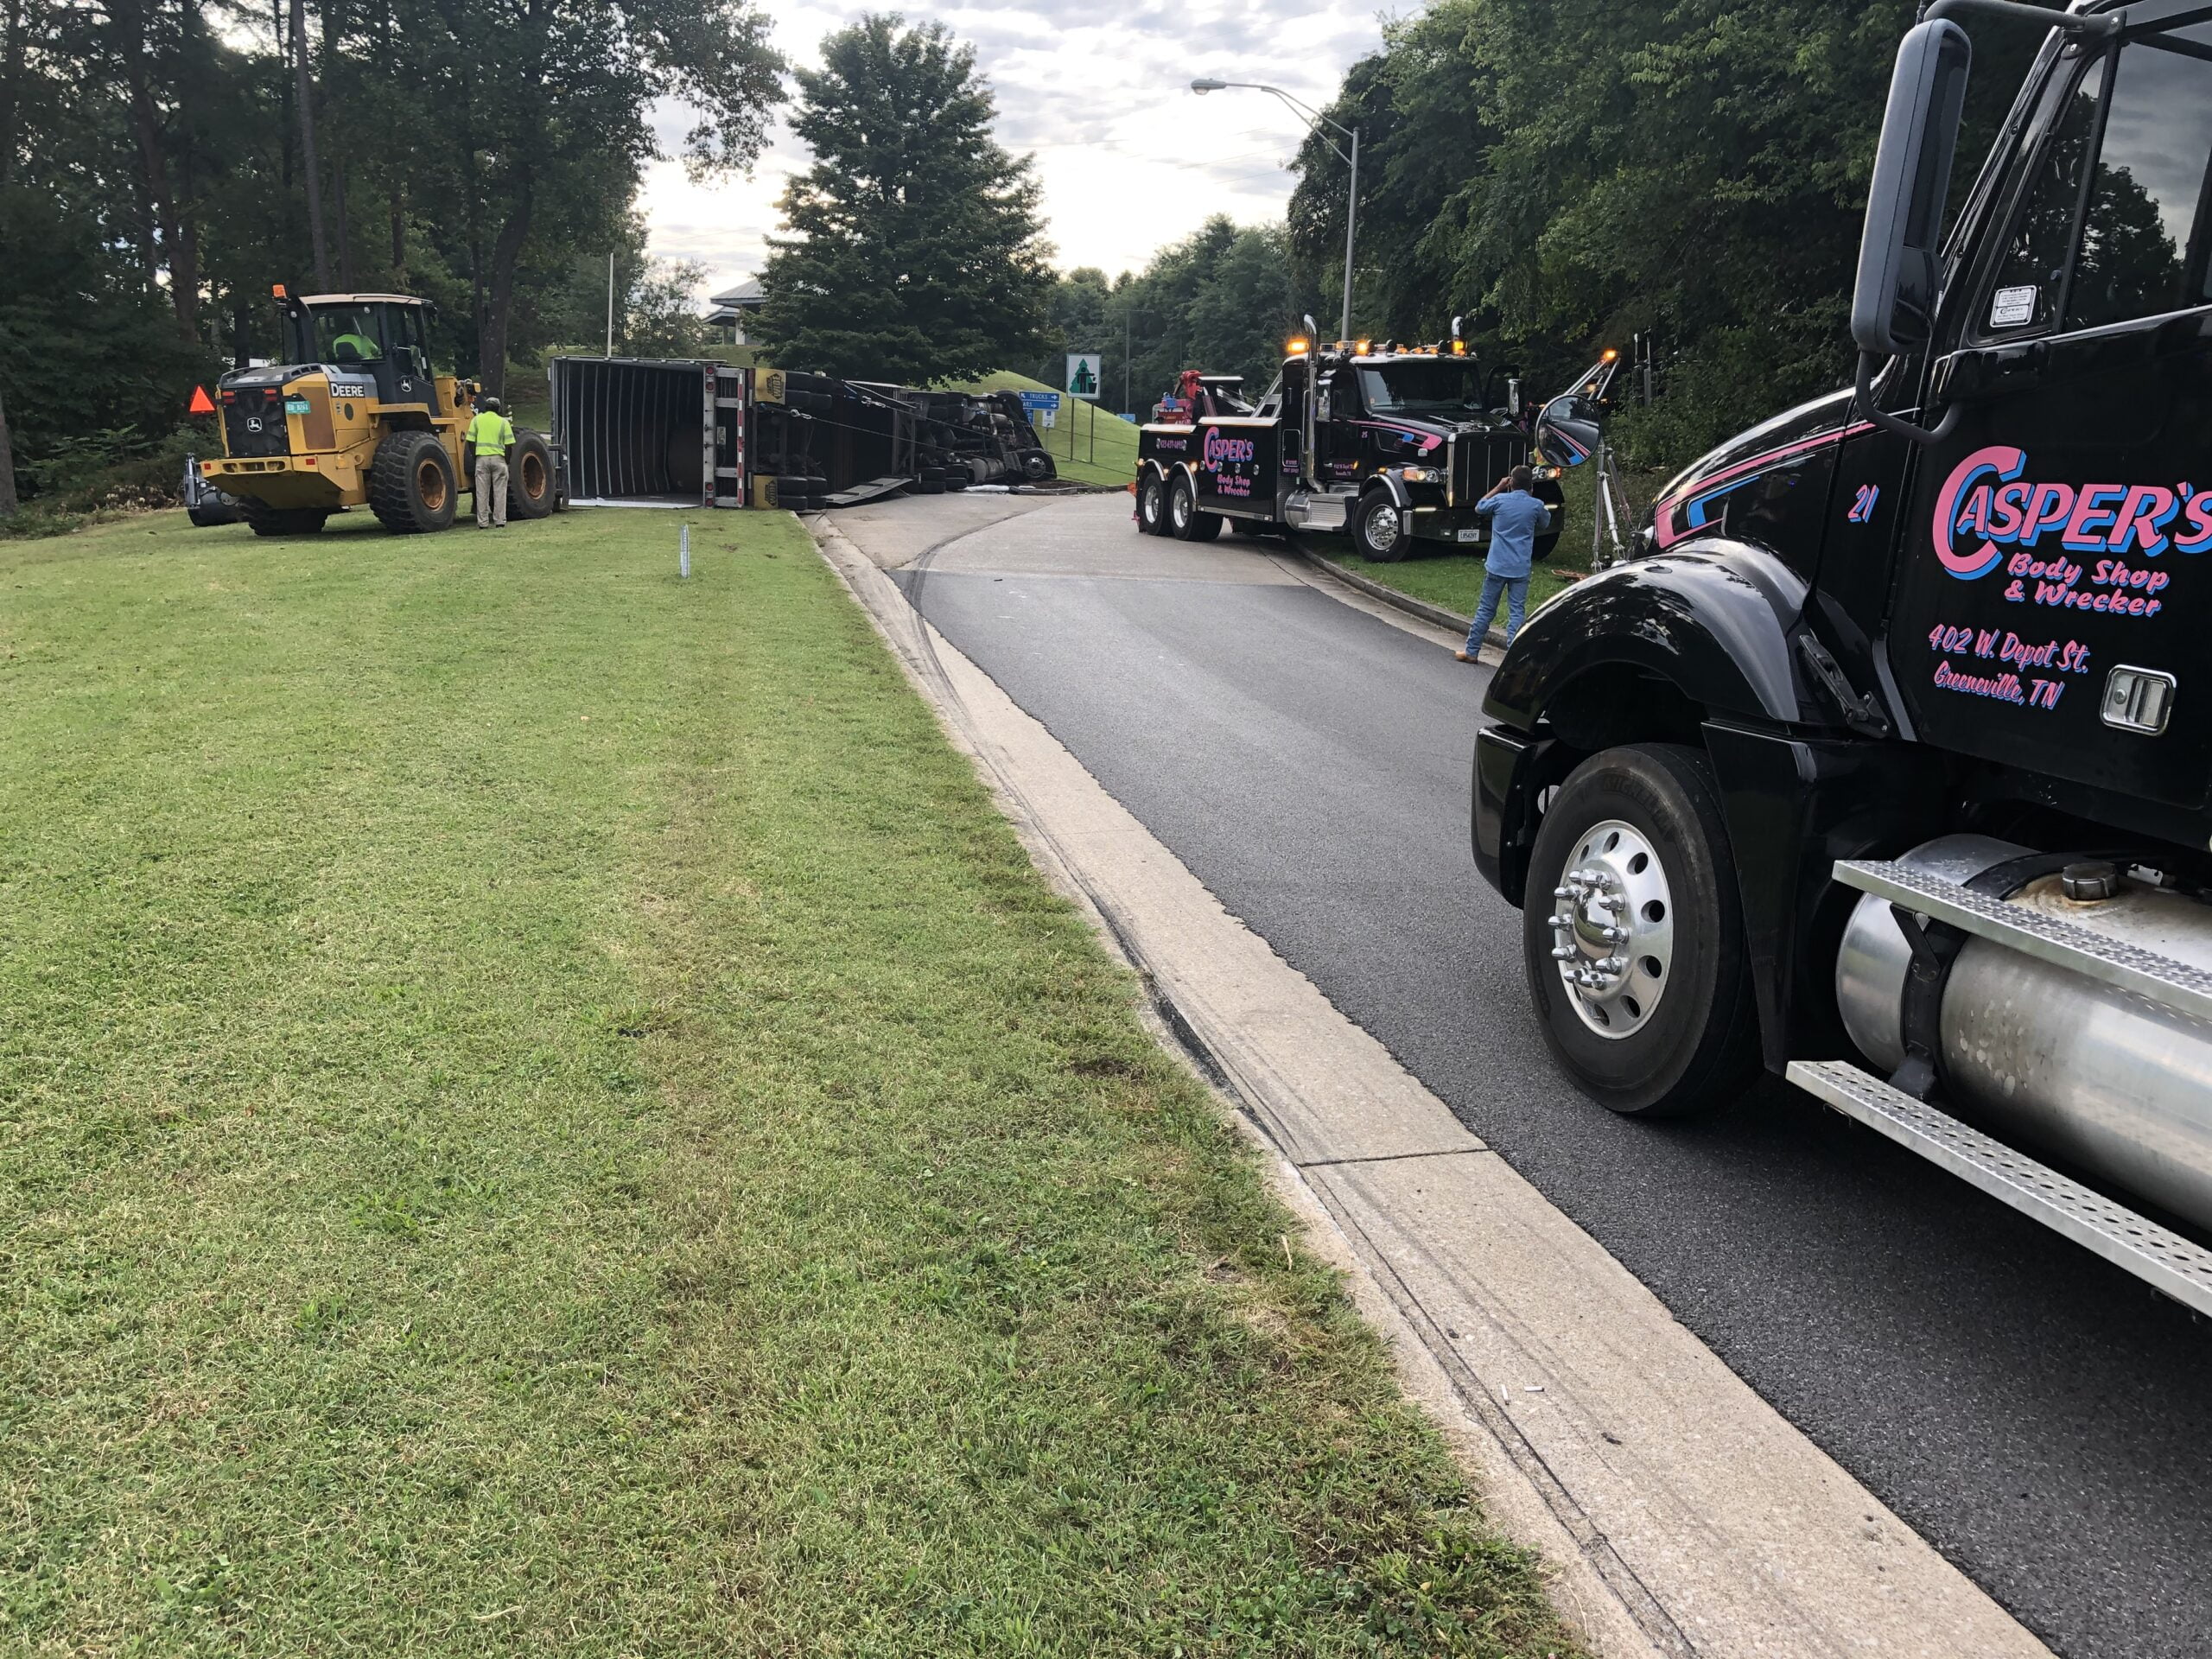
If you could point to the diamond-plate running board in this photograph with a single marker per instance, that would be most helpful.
(2033, 933)
(2158, 1256)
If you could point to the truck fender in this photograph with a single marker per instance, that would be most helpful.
(1395, 487)
(1711, 619)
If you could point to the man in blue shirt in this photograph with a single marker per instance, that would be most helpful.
(1517, 518)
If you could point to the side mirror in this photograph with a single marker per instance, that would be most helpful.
(1566, 432)
(1893, 310)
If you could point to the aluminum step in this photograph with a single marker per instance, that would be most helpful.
(2034, 933)
(2160, 1256)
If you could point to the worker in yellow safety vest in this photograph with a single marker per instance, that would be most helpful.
(491, 435)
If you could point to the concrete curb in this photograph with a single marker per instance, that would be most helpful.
(1435, 614)
(1679, 1513)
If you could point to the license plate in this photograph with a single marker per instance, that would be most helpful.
(295, 405)
(1470, 535)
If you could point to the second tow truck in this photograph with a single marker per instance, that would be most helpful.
(1392, 444)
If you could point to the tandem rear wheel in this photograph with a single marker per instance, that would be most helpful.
(1151, 505)
(1633, 936)
(1186, 522)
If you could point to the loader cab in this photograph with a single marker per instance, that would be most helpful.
(381, 338)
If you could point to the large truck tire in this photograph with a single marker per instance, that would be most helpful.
(1633, 936)
(411, 486)
(1376, 530)
(1151, 505)
(266, 520)
(530, 477)
(1185, 521)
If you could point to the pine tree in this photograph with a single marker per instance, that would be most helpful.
(914, 253)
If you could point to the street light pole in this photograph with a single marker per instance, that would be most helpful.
(1352, 212)
(1314, 122)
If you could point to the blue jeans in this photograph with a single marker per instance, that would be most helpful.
(1516, 590)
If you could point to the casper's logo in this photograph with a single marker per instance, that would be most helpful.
(1988, 504)
(1222, 450)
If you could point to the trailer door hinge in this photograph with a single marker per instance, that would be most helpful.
(1862, 714)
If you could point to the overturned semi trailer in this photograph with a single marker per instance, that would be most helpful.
(638, 432)
(650, 433)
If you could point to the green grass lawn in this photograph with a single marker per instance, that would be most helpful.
(1452, 580)
(1455, 580)
(542, 1110)
(1104, 446)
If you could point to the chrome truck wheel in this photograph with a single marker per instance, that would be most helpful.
(1613, 929)
(1377, 532)
(1633, 939)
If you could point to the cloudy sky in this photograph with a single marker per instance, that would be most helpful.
(1099, 92)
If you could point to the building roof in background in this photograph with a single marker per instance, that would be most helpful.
(745, 296)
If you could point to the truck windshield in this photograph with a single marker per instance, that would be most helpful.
(1423, 384)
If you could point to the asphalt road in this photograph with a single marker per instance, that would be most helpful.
(2043, 1419)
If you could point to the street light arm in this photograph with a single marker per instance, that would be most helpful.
(1314, 122)
(1312, 117)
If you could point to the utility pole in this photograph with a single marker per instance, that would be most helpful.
(610, 303)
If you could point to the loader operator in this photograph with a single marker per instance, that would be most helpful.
(491, 435)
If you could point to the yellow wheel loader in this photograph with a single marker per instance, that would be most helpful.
(356, 418)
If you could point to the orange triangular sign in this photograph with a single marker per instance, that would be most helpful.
(201, 402)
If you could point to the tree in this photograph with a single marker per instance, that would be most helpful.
(1567, 172)
(549, 101)
(914, 252)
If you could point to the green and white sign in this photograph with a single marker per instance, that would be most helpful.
(1084, 370)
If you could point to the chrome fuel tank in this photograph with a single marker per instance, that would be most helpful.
(2115, 1082)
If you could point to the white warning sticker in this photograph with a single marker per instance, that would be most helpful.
(2010, 307)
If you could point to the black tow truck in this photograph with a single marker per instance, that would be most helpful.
(1886, 763)
(1393, 444)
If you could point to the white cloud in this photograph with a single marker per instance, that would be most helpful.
(1129, 157)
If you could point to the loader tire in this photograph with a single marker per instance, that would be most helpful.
(411, 486)
(266, 520)
(530, 476)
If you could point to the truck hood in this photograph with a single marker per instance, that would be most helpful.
(1685, 506)
(1436, 426)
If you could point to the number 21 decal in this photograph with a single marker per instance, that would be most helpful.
(1862, 509)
